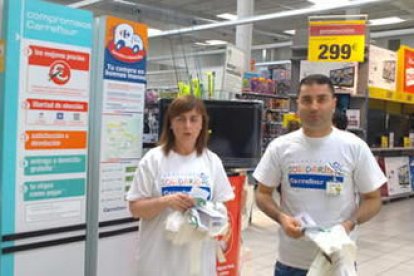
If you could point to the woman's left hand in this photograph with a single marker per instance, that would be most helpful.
(180, 202)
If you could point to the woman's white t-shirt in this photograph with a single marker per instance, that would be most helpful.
(159, 174)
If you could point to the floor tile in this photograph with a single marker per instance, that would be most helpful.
(385, 245)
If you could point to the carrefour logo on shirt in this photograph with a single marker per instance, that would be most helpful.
(183, 183)
(312, 181)
(314, 176)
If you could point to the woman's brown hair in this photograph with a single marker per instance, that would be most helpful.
(179, 106)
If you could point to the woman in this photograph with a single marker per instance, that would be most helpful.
(162, 181)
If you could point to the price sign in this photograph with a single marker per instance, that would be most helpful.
(334, 41)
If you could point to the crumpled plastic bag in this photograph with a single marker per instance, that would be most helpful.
(337, 254)
(179, 231)
(206, 219)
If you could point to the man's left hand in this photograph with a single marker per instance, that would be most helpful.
(348, 225)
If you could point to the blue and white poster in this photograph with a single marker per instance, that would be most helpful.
(44, 120)
(123, 83)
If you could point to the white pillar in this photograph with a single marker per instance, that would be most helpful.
(245, 8)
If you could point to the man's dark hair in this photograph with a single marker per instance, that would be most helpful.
(340, 120)
(317, 79)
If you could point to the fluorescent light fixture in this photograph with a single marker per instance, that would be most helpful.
(322, 2)
(124, 2)
(291, 32)
(228, 16)
(83, 3)
(386, 21)
(211, 42)
(216, 42)
(153, 31)
(201, 44)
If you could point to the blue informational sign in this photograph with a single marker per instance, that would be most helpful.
(35, 33)
(56, 23)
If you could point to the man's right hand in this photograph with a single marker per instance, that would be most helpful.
(291, 226)
(179, 202)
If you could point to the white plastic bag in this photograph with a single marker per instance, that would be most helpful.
(337, 253)
(181, 230)
(197, 223)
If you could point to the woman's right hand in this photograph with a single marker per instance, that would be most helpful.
(179, 202)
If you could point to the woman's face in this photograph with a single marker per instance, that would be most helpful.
(186, 127)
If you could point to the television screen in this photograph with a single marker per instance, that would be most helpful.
(399, 124)
(343, 77)
(376, 127)
(235, 130)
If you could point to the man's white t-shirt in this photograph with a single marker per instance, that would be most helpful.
(304, 166)
(159, 175)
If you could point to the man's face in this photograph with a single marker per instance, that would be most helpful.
(316, 105)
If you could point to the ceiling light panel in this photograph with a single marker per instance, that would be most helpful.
(228, 16)
(386, 21)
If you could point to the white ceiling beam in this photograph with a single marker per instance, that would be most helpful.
(174, 14)
(273, 45)
(194, 54)
(392, 33)
(83, 3)
(258, 18)
(382, 34)
(274, 62)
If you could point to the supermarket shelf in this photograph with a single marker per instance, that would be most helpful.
(171, 71)
(266, 95)
(278, 109)
(391, 149)
(149, 145)
(355, 129)
(272, 123)
(397, 197)
(360, 96)
(172, 86)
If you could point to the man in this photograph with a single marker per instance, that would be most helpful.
(326, 173)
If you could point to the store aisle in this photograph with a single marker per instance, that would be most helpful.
(386, 244)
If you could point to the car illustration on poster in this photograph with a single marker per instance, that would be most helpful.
(126, 46)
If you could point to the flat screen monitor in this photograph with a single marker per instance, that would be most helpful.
(399, 124)
(376, 127)
(343, 77)
(235, 130)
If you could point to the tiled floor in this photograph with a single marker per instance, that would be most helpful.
(385, 246)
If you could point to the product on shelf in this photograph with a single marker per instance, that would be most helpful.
(281, 75)
(354, 118)
(272, 118)
(261, 85)
(397, 170)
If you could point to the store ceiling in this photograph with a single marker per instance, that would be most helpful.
(173, 14)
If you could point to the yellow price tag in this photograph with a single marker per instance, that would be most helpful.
(334, 41)
(349, 48)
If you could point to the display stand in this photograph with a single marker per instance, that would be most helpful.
(231, 242)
